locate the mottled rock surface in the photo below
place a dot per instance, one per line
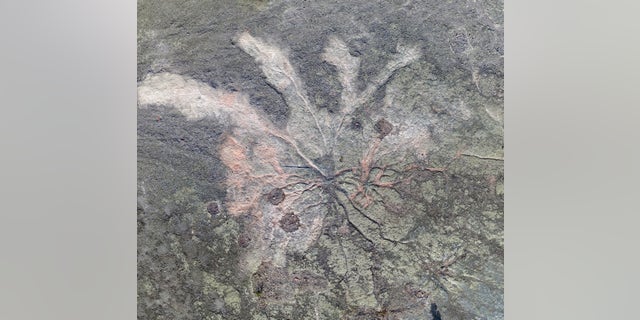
(320, 160)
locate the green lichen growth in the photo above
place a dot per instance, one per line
(230, 295)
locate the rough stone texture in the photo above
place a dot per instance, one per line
(320, 160)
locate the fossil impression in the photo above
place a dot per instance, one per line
(285, 181)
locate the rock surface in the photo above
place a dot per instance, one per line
(320, 160)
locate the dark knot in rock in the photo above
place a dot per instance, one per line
(290, 222)
(213, 208)
(383, 127)
(275, 196)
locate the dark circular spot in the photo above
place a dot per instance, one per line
(383, 127)
(355, 124)
(290, 222)
(213, 208)
(275, 196)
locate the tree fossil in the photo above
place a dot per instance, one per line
(285, 181)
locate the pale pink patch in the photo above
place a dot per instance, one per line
(233, 155)
(270, 155)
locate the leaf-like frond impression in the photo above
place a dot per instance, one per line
(337, 54)
(403, 58)
(307, 124)
(197, 100)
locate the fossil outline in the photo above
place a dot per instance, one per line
(255, 164)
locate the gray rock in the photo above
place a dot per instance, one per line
(320, 160)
